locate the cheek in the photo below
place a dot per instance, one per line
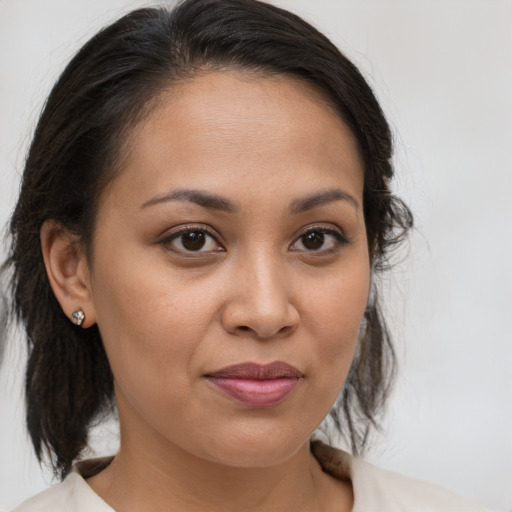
(150, 321)
(334, 319)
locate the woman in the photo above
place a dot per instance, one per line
(203, 207)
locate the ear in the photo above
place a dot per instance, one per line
(68, 270)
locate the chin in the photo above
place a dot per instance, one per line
(255, 451)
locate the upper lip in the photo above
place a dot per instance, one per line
(255, 371)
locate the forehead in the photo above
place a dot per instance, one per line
(223, 129)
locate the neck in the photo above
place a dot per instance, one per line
(177, 481)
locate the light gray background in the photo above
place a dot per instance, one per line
(442, 70)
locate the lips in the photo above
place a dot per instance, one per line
(257, 385)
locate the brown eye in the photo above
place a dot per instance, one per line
(321, 240)
(313, 240)
(192, 240)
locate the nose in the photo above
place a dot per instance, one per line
(259, 303)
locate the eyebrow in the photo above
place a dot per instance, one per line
(318, 199)
(199, 197)
(216, 202)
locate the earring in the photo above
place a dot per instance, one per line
(78, 317)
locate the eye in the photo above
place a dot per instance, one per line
(320, 240)
(192, 240)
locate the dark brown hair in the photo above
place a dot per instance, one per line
(111, 84)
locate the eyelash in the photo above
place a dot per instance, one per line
(339, 238)
(190, 229)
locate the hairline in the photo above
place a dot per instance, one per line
(184, 75)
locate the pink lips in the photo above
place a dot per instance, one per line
(257, 385)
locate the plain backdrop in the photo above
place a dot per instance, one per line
(442, 70)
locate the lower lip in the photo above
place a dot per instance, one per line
(256, 393)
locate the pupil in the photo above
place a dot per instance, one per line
(193, 241)
(314, 240)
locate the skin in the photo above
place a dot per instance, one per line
(255, 292)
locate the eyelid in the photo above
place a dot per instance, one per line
(173, 235)
(337, 233)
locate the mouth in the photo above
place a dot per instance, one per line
(256, 385)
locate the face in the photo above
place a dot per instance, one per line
(230, 269)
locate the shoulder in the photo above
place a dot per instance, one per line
(386, 491)
(71, 495)
(377, 485)
(58, 497)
